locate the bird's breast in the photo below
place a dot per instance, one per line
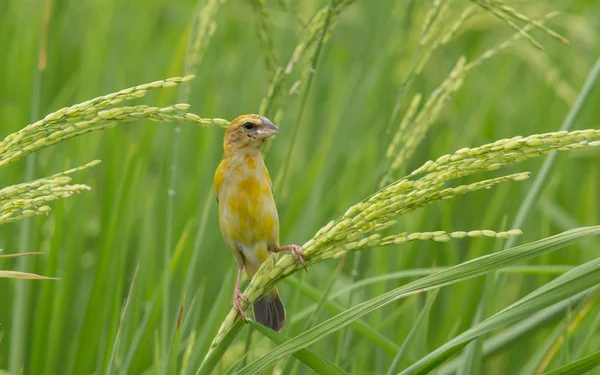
(247, 213)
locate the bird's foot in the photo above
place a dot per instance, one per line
(238, 297)
(297, 253)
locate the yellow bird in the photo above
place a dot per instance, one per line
(247, 212)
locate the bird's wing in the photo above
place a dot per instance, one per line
(218, 180)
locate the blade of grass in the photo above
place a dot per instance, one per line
(115, 348)
(593, 329)
(512, 334)
(313, 293)
(365, 329)
(577, 280)
(574, 320)
(532, 366)
(203, 338)
(472, 357)
(319, 308)
(98, 301)
(308, 357)
(23, 276)
(345, 336)
(578, 367)
(402, 352)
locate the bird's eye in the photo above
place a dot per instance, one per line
(249, 125)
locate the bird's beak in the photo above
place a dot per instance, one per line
(267, 130)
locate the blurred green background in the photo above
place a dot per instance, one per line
(93, 242)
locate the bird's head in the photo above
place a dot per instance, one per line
(249, 132)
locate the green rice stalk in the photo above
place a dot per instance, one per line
(204, 27)
(446, 36)
(286, 6)
(430, 20)
(508, 14)
(309, 37)
(93, 115)
(488, 6)
(412, 132)
(543, 66)
(504, 45)
(312, 71)
(29, 140)
(264, 31)
(499, 4)
(203, 30)
(28, 199)
(89, 108)
(413, 127)
(406, 120)
(436, 12)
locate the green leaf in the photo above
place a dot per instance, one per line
(23, 275)
(544, 351)
(215, 354)
(574, 281)
(424, 313)
(365, 329)
(521, 329)
(308, 357)
(580, 366)
(19, 274)
(463, 271)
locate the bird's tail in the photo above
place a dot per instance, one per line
(269, 311)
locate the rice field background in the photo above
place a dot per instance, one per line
(144, 280)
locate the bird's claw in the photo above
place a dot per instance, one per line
(238, 297)
(298, 255)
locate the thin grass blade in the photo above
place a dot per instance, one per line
(578, 367)
(308, 357)
(574, 281)
(424, 312)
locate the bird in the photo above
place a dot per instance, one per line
(248, 216)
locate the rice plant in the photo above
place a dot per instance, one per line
(481, 260)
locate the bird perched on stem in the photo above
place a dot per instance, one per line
(247, 212)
